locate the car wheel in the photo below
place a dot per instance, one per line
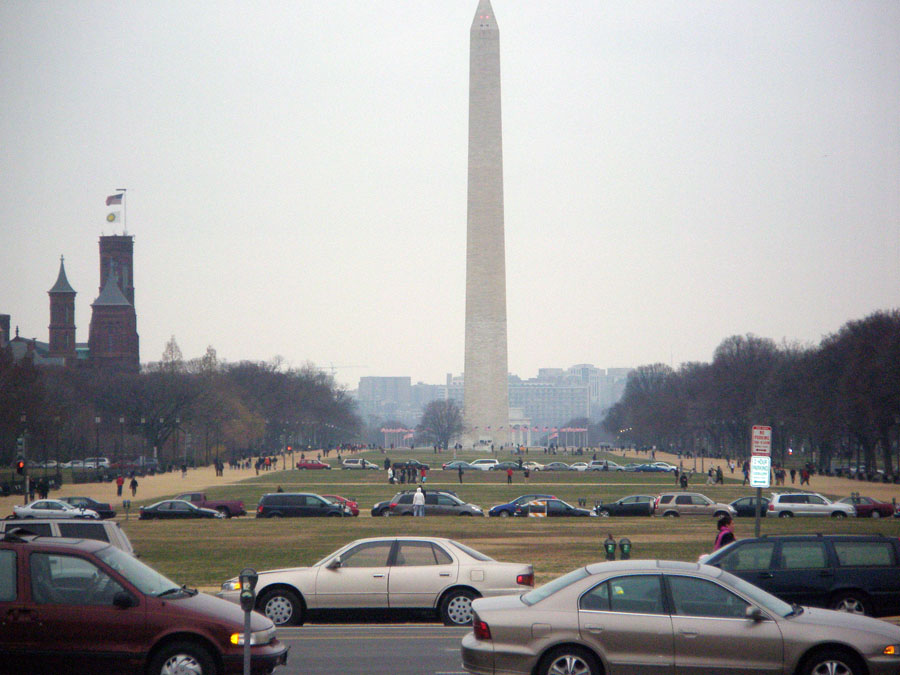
(456, 608)
(876, 514)
(851, 601)
(504, 514)
(785, 514)
(464, 513)
(604, 513)
(275, 515)
(335, 514)
(282, 606)
(568, 661)
(224, 511)
(832, 662)
(671, 514)
(838, 514)
(182, 657)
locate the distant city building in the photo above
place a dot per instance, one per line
(553, 398)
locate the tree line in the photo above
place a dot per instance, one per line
(835, 403)
(193, 411)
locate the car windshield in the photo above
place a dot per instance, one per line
(145, 578)
(552, 587)
(758, 595)
(471, 552)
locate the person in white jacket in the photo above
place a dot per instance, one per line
(419, 502)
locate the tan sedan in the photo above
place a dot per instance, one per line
(387, 573)
(648, 617)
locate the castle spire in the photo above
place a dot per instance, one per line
(62, 283)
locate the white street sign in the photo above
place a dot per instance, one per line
(761, 441)
(759, 471)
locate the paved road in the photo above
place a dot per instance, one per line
(357, 649)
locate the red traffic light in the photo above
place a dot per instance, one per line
(290, 448)
(20, 466)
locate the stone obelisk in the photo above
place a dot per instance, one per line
(486, 405)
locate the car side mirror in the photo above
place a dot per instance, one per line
(124, 600)
(754, 613)
(335, 563)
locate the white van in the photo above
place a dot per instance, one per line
(483, 464)
(72, 528)
(96, 463)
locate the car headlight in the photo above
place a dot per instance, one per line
(232, 585)
(891, 650)
(260, 637)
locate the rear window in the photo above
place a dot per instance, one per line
(471, 552)
(552, 587)
(84, 531)
(41, 529)
(865, 553)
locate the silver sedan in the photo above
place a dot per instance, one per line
(387, 573)
(52, 508)
(653, 617)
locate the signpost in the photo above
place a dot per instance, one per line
(760, 463)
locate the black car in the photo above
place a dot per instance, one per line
(503, 466)
(854, 573)
(410, 463)
(299, 505)
(384, 508)
(746, 507)
(633, 505)
(176, 508)
(103, 510)
(553, 508)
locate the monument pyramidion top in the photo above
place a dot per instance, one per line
(484, 17)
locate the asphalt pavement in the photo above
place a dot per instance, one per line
(365, 649)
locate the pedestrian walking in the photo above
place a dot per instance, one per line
(390, 474)
(460, 473)
(419, 502)
(725, 532)
(133, 485)
(120, 483)
(793, 475)
(527, 474)
(509, 476)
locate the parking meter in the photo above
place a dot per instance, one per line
(610, 547)
(248, 578)
(126, 504)
(625, 548)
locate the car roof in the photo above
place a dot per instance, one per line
(647, 566)
(53, 543)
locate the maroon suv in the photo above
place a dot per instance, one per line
(83, 606)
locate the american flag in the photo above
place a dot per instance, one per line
(114, 199)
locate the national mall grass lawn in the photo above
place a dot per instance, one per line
(203, 553)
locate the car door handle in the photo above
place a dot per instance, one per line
(444, 574)
(378, 576)
(766, 575)
(593, 628)
(689, 633)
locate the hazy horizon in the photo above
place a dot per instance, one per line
(674, 173)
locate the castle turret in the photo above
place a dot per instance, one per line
(62, 317)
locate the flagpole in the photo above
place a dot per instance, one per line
(124, 210)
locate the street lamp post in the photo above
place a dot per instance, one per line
(121, 451)
(96, 442)
(26, 487)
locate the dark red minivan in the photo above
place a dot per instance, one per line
(83, 606)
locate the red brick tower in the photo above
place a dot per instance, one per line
(113, 340)
(62, 317)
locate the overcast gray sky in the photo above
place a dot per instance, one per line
(675, 173)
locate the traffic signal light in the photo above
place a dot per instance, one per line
(20, 466)
(290, 448)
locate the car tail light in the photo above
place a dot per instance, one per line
(525, 579)
(259, 508)
(481, 629)
(393, 504)
(771, 507)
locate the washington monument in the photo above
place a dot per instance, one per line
(486, 405)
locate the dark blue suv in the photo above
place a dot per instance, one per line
(849, 572)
